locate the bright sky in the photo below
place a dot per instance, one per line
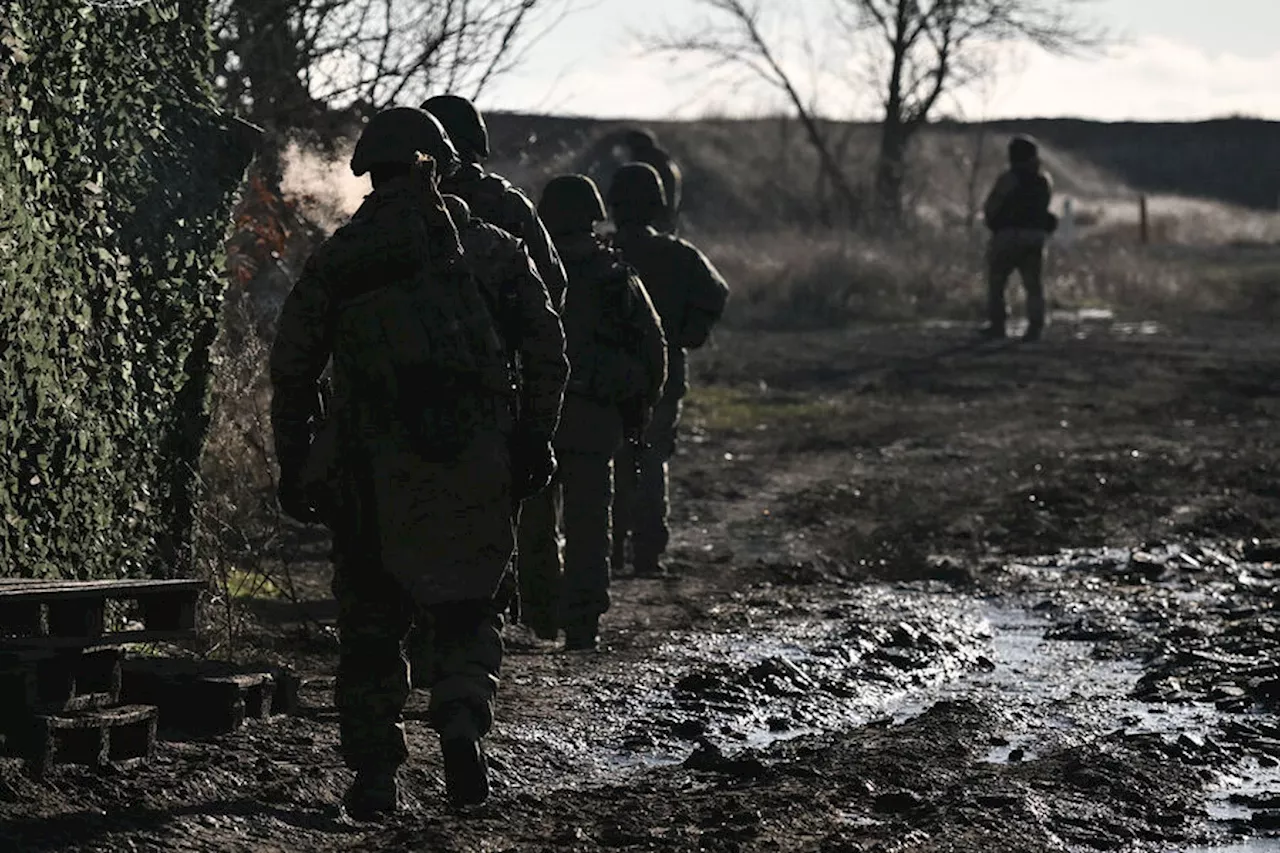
(1178, 59)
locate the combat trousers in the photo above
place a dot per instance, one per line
(538, 562)
(1022, 251)
(374, 616)
(640, 490)
(586, 483)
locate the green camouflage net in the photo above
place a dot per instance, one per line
(117, 174)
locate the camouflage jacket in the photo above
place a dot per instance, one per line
(1019, 200)
(494, 200)
(529, 325)
(687, 290)
(613, 336)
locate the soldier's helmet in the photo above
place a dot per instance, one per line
(464, 123)
(1023, 149)
(636, 193)
(570, 203)
(639, 139)
(396, 135)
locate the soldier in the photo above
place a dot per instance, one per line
(690, 296)
(643, 148)
(490, 196)
(617, 363)
(1017, 214)
(416, 466)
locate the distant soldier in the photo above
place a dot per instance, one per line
(617, 364)
(690, 296)
(642, 146)
(1017, 214)
(490, 196)
(413, 469)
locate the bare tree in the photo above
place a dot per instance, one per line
(283, 60)
(740, 41)
(927, 48)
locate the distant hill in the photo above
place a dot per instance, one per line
(757, 173)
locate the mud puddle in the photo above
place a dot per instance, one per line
(776, 667)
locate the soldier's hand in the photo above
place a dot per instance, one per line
(533, 464)
(295, 503)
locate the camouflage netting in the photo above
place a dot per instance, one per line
(117, 173)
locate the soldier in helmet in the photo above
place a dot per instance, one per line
(490, 196)
(690, 296)
(1017, 214)
(412, 468)
(617, 361)
(642, 146)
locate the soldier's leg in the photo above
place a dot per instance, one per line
(587, 484)
(372, 682)
(999, 268)
(467, 638)
(539, 562)
(624, 494)
(1031, 271)
(649, 513)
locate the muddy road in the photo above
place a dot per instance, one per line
(933, 595)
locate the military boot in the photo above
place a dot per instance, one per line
(374, 794)
(466, 773)
(582, 635)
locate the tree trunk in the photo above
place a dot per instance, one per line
(895, 137)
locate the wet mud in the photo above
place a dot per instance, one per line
(931, 595)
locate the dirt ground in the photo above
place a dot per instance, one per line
(933, 595)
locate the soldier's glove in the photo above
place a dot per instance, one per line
(533, 463)
(290, 491)
(295, 503)
(635, 416)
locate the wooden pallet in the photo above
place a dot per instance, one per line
(207, 697)
(52, 614)
(44, 681)
(120, 737)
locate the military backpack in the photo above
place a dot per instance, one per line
(416, 347)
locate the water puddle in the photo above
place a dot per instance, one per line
(880, 654)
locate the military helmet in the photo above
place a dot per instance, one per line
(1023, 149)
(570, 203)
(639, 139)
(396, 135)
(636, 191)
(463, 122)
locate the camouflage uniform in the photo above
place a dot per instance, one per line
(617, 359)
(504, 269)
(1017, 213)
(490, 196)
(421, 521)
(690, 296)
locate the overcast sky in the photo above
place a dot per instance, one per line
(1178, 59)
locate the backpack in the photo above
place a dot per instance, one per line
(416, 348)
(601, 304)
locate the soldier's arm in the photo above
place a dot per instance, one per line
(708, 293)
(653, 343)
(303, 344)
(539, 246)
(996, 198)
(544, 367)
